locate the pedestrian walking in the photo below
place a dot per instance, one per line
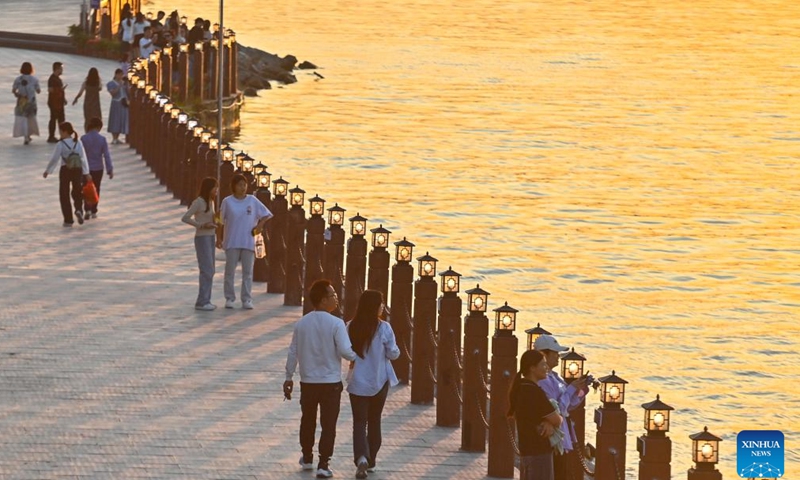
(25, 88)
(201, 216)
(536, 417)
(91, 104)
(319, 342)
(118, 113)
(96, 147)
(56, 101)
(70, 155)
(370, 376)
(242, 216)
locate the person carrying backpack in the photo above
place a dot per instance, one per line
(74, 167)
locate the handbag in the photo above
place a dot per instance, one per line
(124, 102)
(90, 195)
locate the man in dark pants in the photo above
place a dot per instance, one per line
(319, 343)
(56, 100)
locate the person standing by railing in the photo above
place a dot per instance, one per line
(536, 417)
(241, 214)
(568, 398)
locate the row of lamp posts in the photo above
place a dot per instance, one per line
(181, 152)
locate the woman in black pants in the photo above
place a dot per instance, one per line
(370, 378)
(70, 173)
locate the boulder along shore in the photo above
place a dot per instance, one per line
(257, 68)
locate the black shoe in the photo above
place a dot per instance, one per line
(52, 140)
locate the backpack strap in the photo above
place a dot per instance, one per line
(71, 149)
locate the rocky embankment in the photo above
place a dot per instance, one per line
(257, 68)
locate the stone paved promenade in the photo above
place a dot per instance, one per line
(107, 371)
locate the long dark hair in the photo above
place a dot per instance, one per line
(206, 187)
(67, 127)
(93, 78)
(365, 323)
(526, 361)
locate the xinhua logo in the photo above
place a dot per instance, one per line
(759, 454)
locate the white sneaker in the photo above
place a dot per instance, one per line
(228, 303)
(324, 471)
(248, 305)
(361, 469)
(306, 466)
(207, 307)
(79, 215)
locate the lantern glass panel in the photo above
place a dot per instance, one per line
(213, 143)
(263, 179)
(198, 131)
(198, 46)
(280, 189)
(613, 393)
(427, 268)
(336, 217)
(297, 199)
(380, 239)
(358, 227)
(505, 321)
(404, 253)
(477, 302)
(317, 207)
(572, 369)
(247, 165)
(174, 112)
(450, 284)
(706, 451)
(656, 420)
(206, 137)
(227, 154)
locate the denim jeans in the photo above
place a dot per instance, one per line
(328, 397)
(367, 413)
(204, 247)
(232, 257)
(70, 178)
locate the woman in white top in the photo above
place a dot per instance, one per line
(243, 216)
(69, 177)
(126, 25)
(371, 376)
(201, 216)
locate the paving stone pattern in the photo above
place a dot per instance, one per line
(107, 371)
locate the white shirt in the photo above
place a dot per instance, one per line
(127, 30)
(319, 343)
(239, 218)
(138, 27)
(64, 148)
(145, 51)
(201, 217)
(372, 372)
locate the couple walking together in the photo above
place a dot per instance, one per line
(319, 342)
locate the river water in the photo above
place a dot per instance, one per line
(622, 172)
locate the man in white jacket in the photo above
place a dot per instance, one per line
(319, 343)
